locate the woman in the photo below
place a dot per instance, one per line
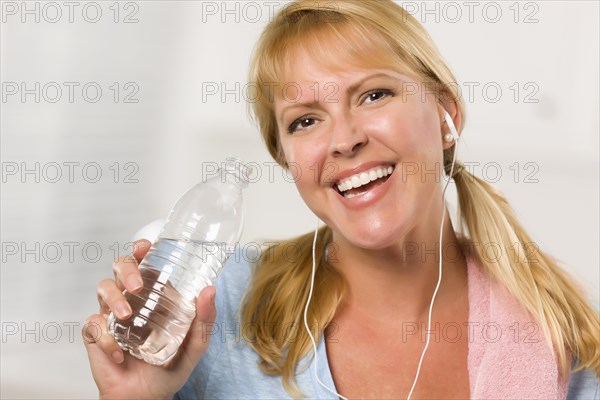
(355, 96)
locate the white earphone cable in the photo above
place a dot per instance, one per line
(312, 339)
(455, 136)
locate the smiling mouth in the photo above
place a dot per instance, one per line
(361, 183)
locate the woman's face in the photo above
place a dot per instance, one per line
(348, 130)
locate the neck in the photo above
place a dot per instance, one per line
(399, 282)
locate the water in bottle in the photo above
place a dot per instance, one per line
(187, 256)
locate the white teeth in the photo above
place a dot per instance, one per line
(351, 195)
(363, 178)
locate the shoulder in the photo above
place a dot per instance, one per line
(231, 285)
(229, 367)
(583, 384)
(235, 278)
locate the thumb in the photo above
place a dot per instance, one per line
(202, 326)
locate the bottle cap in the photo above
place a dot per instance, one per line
(237, 167)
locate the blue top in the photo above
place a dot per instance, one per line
(229, 369)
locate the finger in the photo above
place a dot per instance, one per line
(111, 298)
(198, 337)
(96, 336)
(127, 275)
(140, 248)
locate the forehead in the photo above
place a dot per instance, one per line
(311, 81)
(335, 49)
(307, 70)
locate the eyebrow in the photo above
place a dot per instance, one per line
(351, 89)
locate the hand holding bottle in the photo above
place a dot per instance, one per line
(200, 231)
(117, 373)
(157, 311)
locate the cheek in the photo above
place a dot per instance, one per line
(305, 156)
(408, 126)
(415, 131)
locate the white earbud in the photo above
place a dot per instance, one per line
(453, 135)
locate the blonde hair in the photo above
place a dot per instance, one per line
(272, 310)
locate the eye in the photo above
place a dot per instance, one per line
(301, 123)
(376, 95)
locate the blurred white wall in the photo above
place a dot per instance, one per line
(154, 128)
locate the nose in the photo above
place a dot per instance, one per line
(347, 137)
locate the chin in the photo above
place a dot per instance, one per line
(371, 236)
(372, 243)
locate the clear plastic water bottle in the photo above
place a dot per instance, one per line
(187, 256)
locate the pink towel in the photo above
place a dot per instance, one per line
(508, 354)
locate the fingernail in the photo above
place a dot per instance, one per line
(139, 243)
(123, 309)
(118, 356)
(133, 283)
(91, 332)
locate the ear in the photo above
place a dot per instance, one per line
(447, 104)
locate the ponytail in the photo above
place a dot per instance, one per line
(567, 319)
